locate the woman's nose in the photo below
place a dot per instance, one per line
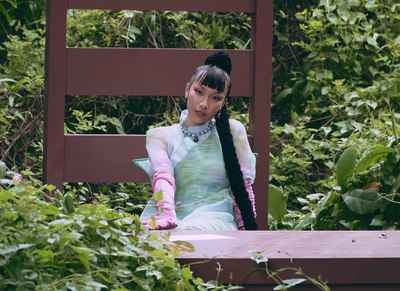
(204, 103)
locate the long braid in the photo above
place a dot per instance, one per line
(233, 170)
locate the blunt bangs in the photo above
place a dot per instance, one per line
(212, 77)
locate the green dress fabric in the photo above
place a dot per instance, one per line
(203, 196)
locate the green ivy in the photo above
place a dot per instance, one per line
(59, 243)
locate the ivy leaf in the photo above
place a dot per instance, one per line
(158, 196)
(61, 223)
(378, 220)
(124, 273)
(97, 285)
(83, 250)
(289, 283)
(187, 273)
(5, 195)
(154, 273)
(104, 233)
(12, 248)
(153, 222)
(282, 95)
(44, 256)
(332, 17)
(184, 246)
(258, 257)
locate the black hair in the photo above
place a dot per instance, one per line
(216, 74)
(213, 77)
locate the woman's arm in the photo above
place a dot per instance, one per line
(247, 163)
(161, 173)
(246, 157)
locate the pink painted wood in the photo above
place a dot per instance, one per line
(347, 260)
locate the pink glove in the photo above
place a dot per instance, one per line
(166, 216)
(238, 215)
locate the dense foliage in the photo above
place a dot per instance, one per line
(335, 86)
(335, 153)
(339, 90)
(58, 244)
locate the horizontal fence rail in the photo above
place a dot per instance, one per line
(105, 157)
(131, 71)
(246, 6)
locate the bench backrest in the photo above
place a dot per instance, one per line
(130, 71)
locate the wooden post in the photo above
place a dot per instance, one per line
(55, 70)
(261, 104)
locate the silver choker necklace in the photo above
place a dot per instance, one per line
(196, 136)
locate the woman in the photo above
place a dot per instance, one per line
(199, 163)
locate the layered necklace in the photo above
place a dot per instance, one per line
(196, 136)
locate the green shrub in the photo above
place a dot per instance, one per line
(60, 243)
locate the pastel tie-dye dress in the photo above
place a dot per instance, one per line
(203, 196)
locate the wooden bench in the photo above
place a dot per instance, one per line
(348, 260)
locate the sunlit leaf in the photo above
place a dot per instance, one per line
(288, 283)
(276, 203)
(13, 248)
(345, 166)
(373, 157)
(158, 196)
(61, 222)
(185, 246)
(258, 256)
(5, 195)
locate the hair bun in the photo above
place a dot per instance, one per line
(221, 60)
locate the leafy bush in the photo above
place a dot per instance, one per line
(339, 93)
(350, 66)
(20, 124)
(21, 100)
(335, 85)
(60, 244)
(18, 14)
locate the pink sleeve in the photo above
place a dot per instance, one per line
(246, 157)
(157, 148)
(238, 215)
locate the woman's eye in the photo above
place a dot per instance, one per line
(216, 98)
(199, 92)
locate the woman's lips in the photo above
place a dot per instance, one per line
(200, 114)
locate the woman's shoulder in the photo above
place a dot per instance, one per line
(237, 129)
(163, 131)
(235, 125)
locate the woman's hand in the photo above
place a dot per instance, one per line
(166, 218)
(164, 194)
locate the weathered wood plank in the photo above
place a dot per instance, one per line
(145, 72)
(105, 157)
(247, 6)
(347, 260)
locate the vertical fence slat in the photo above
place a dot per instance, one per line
(55, 67)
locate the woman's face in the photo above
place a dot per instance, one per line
(202, 103)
